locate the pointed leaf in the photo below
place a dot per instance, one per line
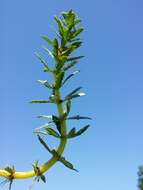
(77, 95)
(81, 131)
(40, 132)
(71, 133)
(44, 144)
(43, 178)
(49, 52)
(70, 76)
(52, 132)
(43, 61)
(47, 39)
(77, 117)
(77, 32)
(60, 26)
(55, 43)
(77, 21)
(68, 66)
(45, 83)
(56, 120)
(67, 107)
(73, 92)
(67, 164)
(45, 116)
(74, 58)
(40, 101)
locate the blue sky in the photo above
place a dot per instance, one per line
(109, 154)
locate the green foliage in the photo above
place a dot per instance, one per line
(61, 49)
(39, 176)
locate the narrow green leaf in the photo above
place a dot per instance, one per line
(76, 44)
(68, 66)
(52, 132)
(37, 130)
(43, 178)
(35, 167)
(81, 131)
(40, 101)
(71, 133)
(77, 21)
(70, 76)
(78, 117)
(56, 120)
(9, 169)
(45, 116)
(76, 95)
(60, 26)
(67, 107)
(40, 133)
(10, 184)
(47, 39)
(43, 61)
(67, 164)
(44, 144)
(74, 58)
(45, 83)
(55, 43)
(77, 32)
(35, 164)
(72, 93)
(49, 52)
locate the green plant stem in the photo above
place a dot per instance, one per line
(53, 160)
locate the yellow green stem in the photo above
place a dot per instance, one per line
(47, 165)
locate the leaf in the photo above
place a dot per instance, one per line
(81, 131)
(47, 39)
(55, 43)
(76, 44)
(67, 164)
(10, 184)
(44, 126)
(52, 132)
(43, 62)
(44, 144)
(68, 66)
(77, 32)
(35, 167)
(56, 120)
(71, 133)
(45, 116)
(77, 21)
(67, 107)
(43, 178)
(40, 101)
(9, 169)
(40, 133)
(77, 117)
(75, 58)
(70, 76)
(77, 95)
(55, 48)
(49, 52)
(71, 94)
(45, 83)
(35, 164)
(60, 26)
